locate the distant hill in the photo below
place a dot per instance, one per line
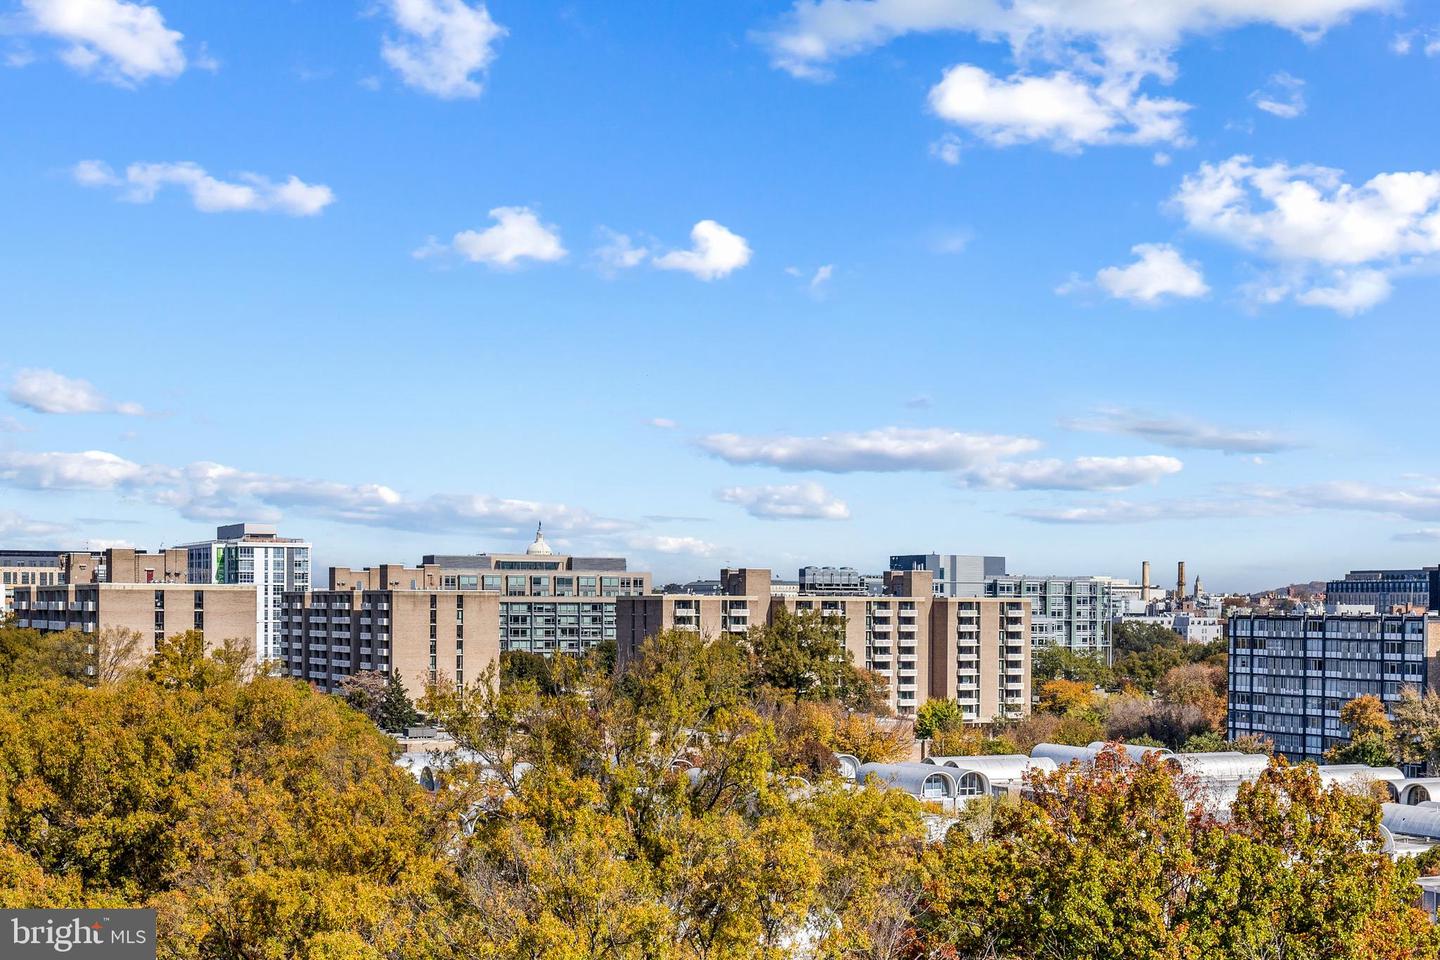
(1314, 587)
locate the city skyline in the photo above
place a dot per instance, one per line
(767, 285)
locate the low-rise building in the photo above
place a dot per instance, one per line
(1379, 591)
(153, 610)
(27, 568)
(1193, 627)
(974, 650)
(1290, 675)
(839, 581)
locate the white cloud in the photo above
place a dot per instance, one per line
(1082, 473)
(1352, 292)
(793, 501)
(1064, 110)
(1283, 96)
(15, 527)
(715, 252)
(1153, 511)
(1180, 433)
(889, 449)
(1427, 535)
(1159, 272)
(443, 46)
(205, 490)
(123, 43)
(1336, 243)
(518, 235)
(662, 423)
(815, 33)
(947, 150)
(84, 470)
(618, 252)
(107, 543)
(1419, 502)
(45, 391)
(1428, 38)
(1103, 52)
(250, 192)
(951, 240)
(692, 546)
(821, 277)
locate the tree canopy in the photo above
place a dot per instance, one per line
(679, 811)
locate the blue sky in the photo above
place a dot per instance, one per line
(1084, 283)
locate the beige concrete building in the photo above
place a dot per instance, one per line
(124, 565)
(974, 650)
(154, 610)
(46, 568)
(420, 635)
(452, 615)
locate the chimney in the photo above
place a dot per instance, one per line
(1145, 580)
(1180, 584)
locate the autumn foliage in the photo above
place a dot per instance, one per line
(680, 811)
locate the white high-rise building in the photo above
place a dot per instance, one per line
(254, 553)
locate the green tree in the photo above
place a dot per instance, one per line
(1417, 728)
(1144, 652)
(1207, 742)
(1372, 740)
(938, 716)
(521, 665)
(259, 818)
(1063, 663)
(396, 712)
(1116, 861)
(803, 656)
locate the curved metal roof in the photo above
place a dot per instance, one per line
(1134, 753)
(1356, 772)
(911, 777)
(1410, 821)
(1412, 786)
(1061, 753)
(1222, 765)
(997, 767)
